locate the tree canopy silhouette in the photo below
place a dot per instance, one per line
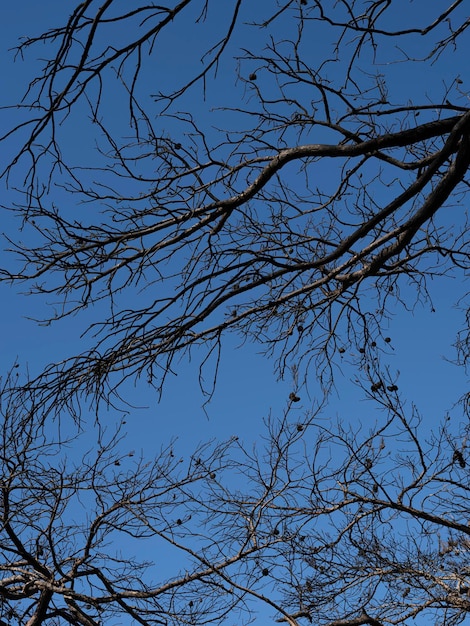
(287, 171)
(322, 522)
(329, 176)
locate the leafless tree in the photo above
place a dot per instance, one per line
(318, 523)
(297, 216)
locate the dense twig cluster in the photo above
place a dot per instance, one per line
(297, 215)
(296, 224)
(335, 524)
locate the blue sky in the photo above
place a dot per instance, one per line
(421, 339)
(248, 386)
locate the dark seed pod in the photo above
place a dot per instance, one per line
(458, 458)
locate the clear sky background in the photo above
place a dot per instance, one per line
(248, 387)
